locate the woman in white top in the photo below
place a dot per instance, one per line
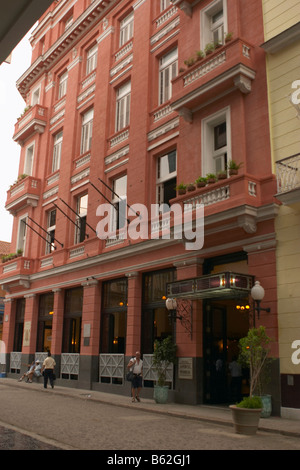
(136, 366)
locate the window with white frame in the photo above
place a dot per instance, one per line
(214, 22)
(21, 235)
(58, 138)
(216, 142)
(35, 98)
(87, 131)
(168, 65)
(28, 164)
(119, 202)
(62, 86)
(126, 29)
(123, 106)
(81, 210)
(166, 178)
(164, 4)
(51, 226)
(91, 59)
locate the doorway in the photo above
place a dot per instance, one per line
(223, 328)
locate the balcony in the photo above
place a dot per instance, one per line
(26, 192)
(244, 200)
(228, 68)
(16, 272)
(288, 179)
(33, 121)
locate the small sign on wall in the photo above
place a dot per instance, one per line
(185, 368)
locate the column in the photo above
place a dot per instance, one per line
(8, 334)
(189, 387)
(30, 324)
(134, 317)
(57, 322)
(90, 334)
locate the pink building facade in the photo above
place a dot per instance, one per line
(121, 109)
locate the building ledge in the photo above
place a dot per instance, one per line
(282, 40)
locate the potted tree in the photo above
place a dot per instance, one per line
(254, 351)
(164, 354)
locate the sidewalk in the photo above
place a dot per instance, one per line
(211, 414)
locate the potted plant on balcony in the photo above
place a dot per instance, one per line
(201, 182)
(189, 62)
(209, 48)
(190, 187)
(222, 175)
(228, 37)
(254, 351)
(181, 188)
(164, 354)
(211, 178)
(200, 55)
(234, 167)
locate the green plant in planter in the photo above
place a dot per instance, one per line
(250, 403)
(189, 62)
(201, 181)
(222, 175)
(209, 48)
(181, 188)
(200, 55)
(164, 354)
(211, 178)
(190, 187)
(228, 37)
(234, 167)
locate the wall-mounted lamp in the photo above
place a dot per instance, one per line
(171, 305)
(257, 294)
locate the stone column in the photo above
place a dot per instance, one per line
(134, 317)
(90, 334)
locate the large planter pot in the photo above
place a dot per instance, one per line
(245, 420)
(267, 406)
(161, 394)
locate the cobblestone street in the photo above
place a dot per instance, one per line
(57, 419)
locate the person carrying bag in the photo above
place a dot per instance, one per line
(135, 376)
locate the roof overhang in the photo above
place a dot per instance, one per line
(17, 17)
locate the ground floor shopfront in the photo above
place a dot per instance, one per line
(93, 324)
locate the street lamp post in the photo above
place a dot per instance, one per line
(257, 294)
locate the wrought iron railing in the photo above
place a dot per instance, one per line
(288, 173)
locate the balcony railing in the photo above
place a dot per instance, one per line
(288, 179)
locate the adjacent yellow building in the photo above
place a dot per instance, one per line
(282, 46)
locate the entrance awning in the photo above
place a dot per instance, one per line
(227, 285)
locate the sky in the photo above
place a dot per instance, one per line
(11, 106)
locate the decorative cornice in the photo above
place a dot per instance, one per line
(65, 43)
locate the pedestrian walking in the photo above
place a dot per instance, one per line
(48, 370)
(136, 366)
